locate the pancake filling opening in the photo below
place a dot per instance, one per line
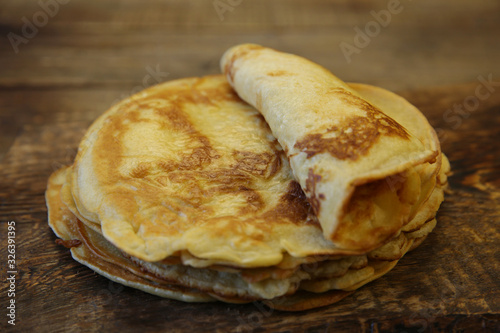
(377, 210)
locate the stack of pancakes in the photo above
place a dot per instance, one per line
(275, 182)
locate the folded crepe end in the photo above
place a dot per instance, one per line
(376, 211)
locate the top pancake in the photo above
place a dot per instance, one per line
(188, 166)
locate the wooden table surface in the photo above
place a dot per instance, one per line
(63, 63)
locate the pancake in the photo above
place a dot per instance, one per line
(107, 261)
(183, 192)
(173, 168)
(355, 159)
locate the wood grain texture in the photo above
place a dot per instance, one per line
(90, 54)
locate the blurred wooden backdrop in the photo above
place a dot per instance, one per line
(109, 45)
(64, 62)
(110, 42)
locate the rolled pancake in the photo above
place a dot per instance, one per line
(354, 161)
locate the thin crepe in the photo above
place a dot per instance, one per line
(364, 172)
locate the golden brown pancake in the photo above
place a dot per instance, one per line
(101, 256)
(182, 191)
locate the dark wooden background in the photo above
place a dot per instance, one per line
(85, 55)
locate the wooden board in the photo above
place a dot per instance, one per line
(93, 53)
